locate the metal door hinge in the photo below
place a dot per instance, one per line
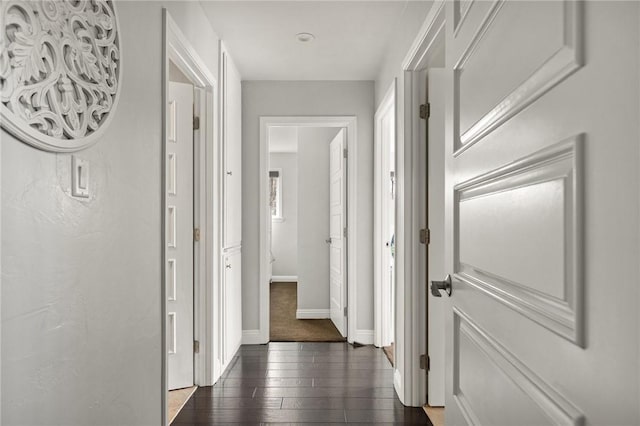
(345, 152)
(345, 311)
(425, 362)
(344, 232)
(425, 111)
(425, 236)
(196, 123)
(196, 347)
(196, 234)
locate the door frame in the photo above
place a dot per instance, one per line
(388, 104)
(410, 381)
(177, 49)
(261, 335)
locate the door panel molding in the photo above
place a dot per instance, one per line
(551, 71)
(536, 394)
(461, 11)
(557, 308)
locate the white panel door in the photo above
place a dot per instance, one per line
(232, 304)
(179, 235)
(541, 213)
(232, 137)
(387, 219)
(337, 222)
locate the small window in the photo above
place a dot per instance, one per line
(275, 194)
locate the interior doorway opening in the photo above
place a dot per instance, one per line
(306, 238)
(180, 244)
(384, 220)
(189, 214)
(307, 187)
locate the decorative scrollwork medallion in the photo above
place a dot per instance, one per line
(60, 68)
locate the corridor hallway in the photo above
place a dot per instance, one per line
(292, 382)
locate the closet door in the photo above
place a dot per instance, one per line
(232, 148)
(232, 303)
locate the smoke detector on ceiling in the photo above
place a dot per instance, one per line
(305, 37)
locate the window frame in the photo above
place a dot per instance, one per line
(279, 217)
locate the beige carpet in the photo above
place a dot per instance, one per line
(389, 351)
(176, 400)
(284, 325)
(435, 414)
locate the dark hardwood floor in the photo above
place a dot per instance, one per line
(297, 383)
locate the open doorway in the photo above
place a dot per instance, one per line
(189, 209)
(384, 220)
(420, 211)
(307, 182)
(322, 270)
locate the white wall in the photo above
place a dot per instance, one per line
(175, 74)
(81, 318)
(291, 98)
(313, 217)
(284, 234)
(391, 67)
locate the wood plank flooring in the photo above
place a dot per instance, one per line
(298, 383)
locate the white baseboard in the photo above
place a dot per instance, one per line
(313, 313)
(251, 337)
(364, 337)
(397, 384)
(284, 279)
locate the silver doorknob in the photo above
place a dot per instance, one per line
(328, 240)
(445, 285)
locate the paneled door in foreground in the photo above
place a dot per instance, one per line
(542, 212)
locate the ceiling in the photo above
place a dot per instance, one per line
(352, 37)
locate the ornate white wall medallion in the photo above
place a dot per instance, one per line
(60, 68)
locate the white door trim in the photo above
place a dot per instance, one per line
(179, 50)
(388, 103)
(350, 123)
(284, 278)
(409, 380)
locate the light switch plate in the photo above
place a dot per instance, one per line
(79, 177)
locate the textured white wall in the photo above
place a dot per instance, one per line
(284, 235)
(81, 320)
(313, 217)
(391, 67)
(290, 98)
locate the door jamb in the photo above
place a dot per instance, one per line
(410, 380)
(177, 49)
(261, 335)
(388, 103)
